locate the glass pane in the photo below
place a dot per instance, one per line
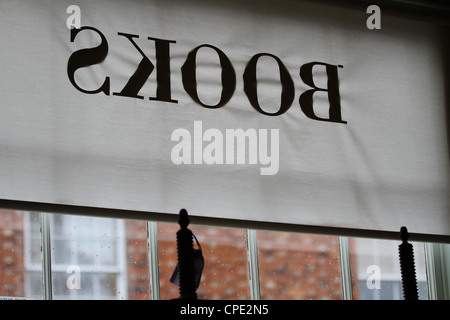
(96, 258)
(88, 258)
(84, 240)
(299, 266)
(20, 260)
(138, 270)
(376, 269)
(225, 275)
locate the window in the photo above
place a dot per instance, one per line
(105, 258)
(86, 255)
(376, 265)
(225, 275)
(299, 266)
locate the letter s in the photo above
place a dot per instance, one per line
(87, 57)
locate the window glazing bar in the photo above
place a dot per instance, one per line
(431, 271)
(46, 257)
(346, 273)
(253, 265)
(152, 240)
(438, 270)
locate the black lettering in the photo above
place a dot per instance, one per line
(140, 76)
(163, 90)
(306, 98)
(91, 56)
(189, 77)
(250, 85)
(87, 57)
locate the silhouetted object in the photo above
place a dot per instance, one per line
(407, 267)
(185, 251)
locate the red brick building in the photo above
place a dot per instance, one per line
(12, 268)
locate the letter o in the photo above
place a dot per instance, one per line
(250, 85)
(189, 77)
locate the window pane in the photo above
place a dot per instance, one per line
(97, 258)
(20, 261)
(225, 275)
(87, 258)
(376, 268)
(138, 271)
(299, 266)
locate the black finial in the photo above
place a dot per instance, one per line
(183, 219)
(404, 235)
(185, 252)
(407, 267)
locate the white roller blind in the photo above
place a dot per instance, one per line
(276, 111)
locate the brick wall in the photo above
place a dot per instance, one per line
(12, 270)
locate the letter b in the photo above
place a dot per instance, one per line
(306, 98)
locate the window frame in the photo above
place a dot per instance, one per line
(437, 253)
(48, 267)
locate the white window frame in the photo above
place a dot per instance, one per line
(47, 267)
(437, 260)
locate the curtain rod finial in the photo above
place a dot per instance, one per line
(404, 235)
(183, 220)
